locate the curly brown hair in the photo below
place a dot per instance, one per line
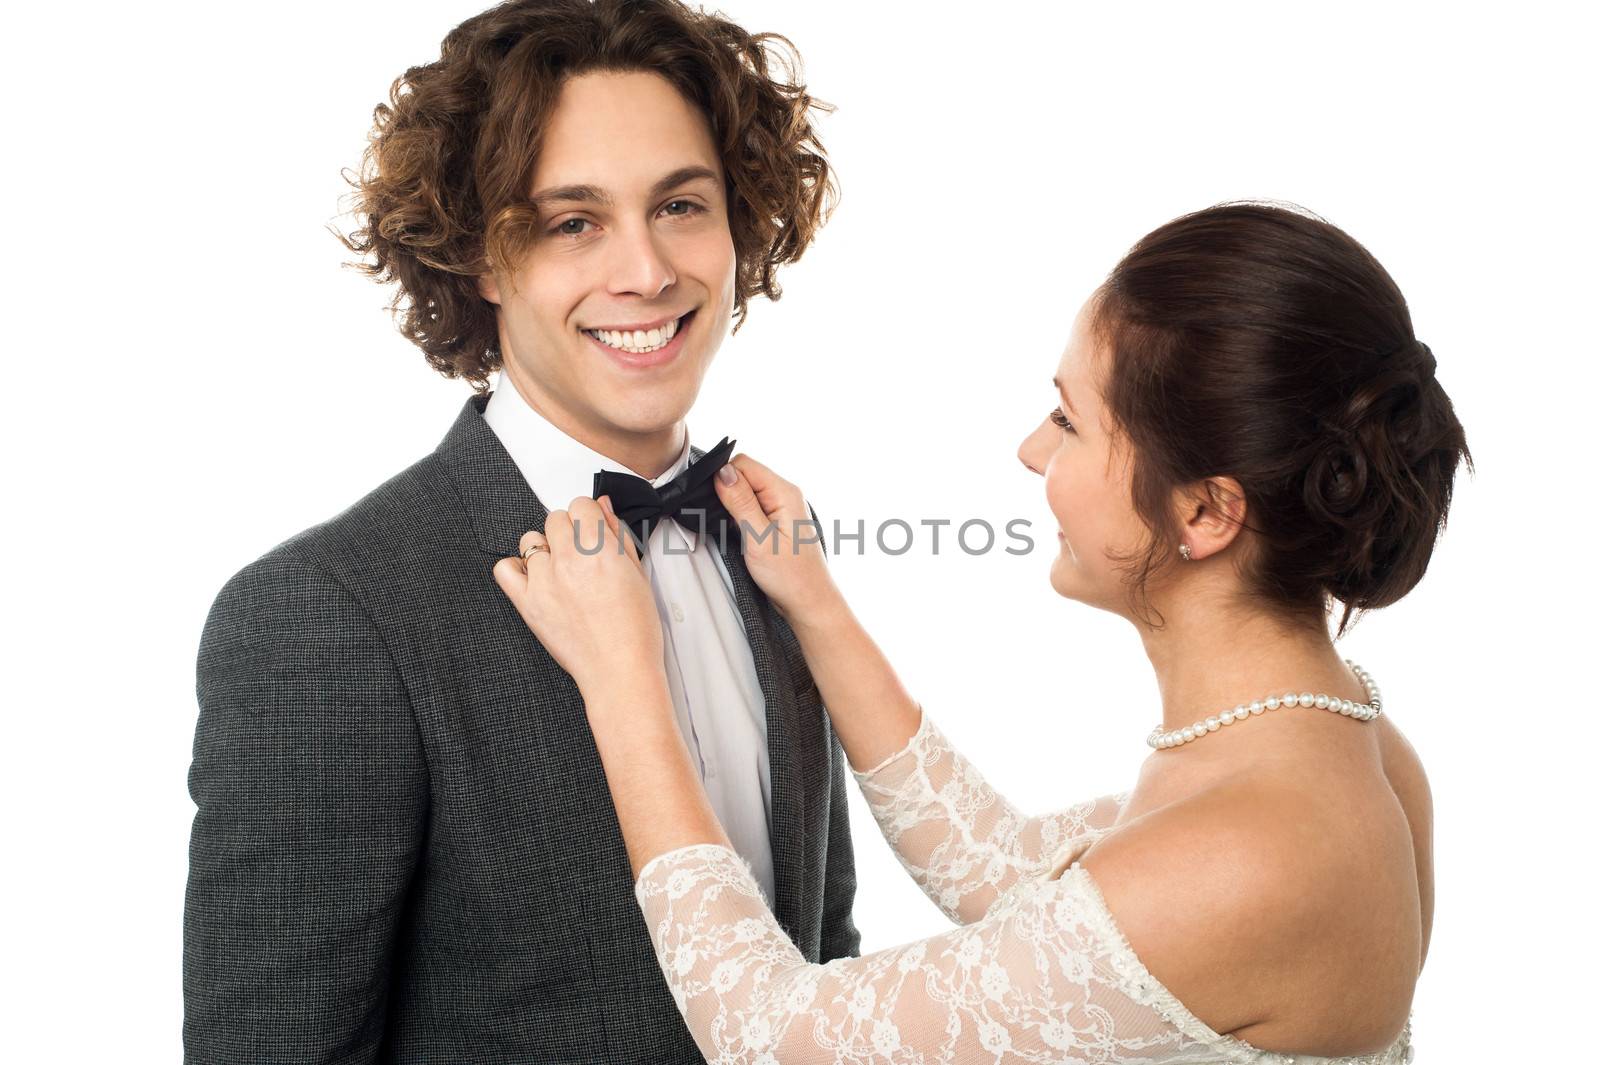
(443, 191)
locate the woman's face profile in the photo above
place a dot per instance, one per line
(1086, 477)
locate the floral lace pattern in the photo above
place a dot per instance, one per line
(1037, 970)
(960, 840)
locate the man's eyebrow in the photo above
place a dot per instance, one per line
(596, 195)
(1065, 398)
(682, 176)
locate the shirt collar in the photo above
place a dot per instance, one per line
(557, 467)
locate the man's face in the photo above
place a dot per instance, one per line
(609, 322)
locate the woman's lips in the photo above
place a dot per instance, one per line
(649, 359)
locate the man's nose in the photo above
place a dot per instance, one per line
(639, 268)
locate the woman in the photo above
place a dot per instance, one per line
(1245, 432)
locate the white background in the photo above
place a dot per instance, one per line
(200, 380)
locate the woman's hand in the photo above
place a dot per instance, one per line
(782, 547)
(592, 609)
(596, 615)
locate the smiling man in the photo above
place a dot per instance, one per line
(624, 293)
(404, 848)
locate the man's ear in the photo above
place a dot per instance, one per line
(1213, 513)
(489, 288)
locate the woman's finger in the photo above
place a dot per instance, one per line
(511, 574)
(771, 491)
(612, 521)
(532, 544)
(740, 499)
(588, 526)
(558, 533)
(623, 534)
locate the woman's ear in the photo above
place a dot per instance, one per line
(489, 288)
(1213, 514)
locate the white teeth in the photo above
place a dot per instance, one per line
(636, 341)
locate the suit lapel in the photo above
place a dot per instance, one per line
(497, 497)
(789, 843)
(502, 507)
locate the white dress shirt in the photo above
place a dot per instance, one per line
(715, 693)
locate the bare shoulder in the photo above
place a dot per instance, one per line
(1403, 766)
(1279, 914)
(1403, 769)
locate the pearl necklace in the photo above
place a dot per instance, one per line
(1359, 711)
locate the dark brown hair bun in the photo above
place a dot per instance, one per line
(1263, 343)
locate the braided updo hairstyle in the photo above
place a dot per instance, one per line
(1258, 342)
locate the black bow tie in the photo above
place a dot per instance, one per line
(690, 498)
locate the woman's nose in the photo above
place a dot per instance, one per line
(1029, 453)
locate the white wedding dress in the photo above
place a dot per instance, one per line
(1037, 970)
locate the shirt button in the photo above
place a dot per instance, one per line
(677, 612)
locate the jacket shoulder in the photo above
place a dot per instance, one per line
(390, 524)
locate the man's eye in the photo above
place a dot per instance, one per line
(572, 227)
(1060, 420)
(688, 207)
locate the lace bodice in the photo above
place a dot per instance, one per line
(1036, 970)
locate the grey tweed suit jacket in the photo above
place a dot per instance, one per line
(404, 848)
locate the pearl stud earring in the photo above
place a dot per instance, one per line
(1183, 549)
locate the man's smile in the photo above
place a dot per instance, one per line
(642, 344)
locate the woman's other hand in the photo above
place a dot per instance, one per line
(782, 543)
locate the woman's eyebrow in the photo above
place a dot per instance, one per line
(596, 195)
(1064, 397)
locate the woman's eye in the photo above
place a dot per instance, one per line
(572, 227)
(1060, 420)
(688, 207)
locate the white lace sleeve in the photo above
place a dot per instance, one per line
(960, 840)
(1046, 976)
(1029, 983)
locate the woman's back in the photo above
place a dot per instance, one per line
(1296, 863)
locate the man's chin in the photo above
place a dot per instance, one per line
(649, 418)
(646, 406)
